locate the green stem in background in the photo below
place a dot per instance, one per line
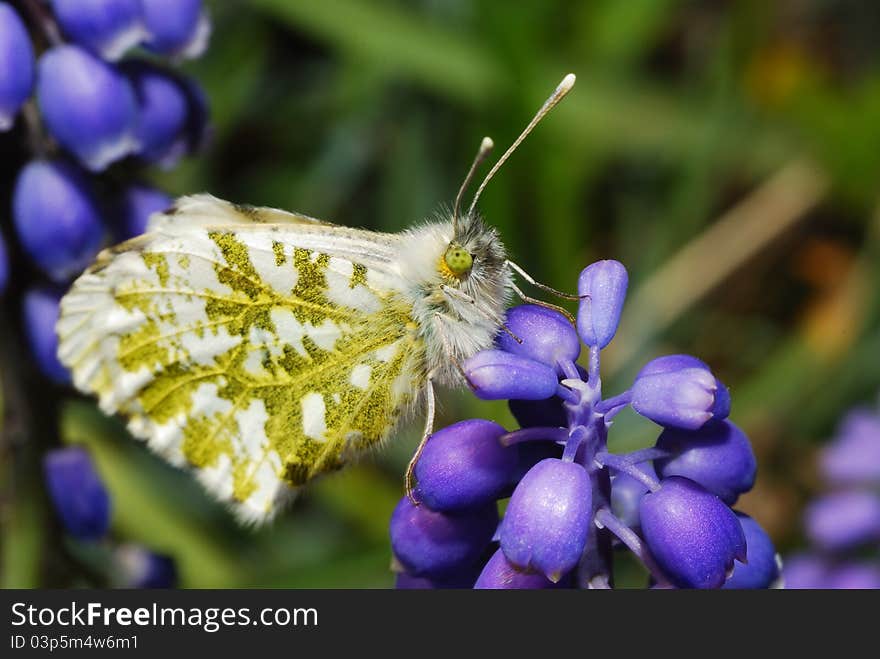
(709, 259)
(156, 520)
(411, 47)
(22, 508)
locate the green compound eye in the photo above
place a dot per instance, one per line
(458, 260)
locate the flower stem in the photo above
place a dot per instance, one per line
(36, 139)
(610, 406)
(569, 369)
(541, 433)
(577, 436)
(568, 395)
(606, 519)
(622, 464)
(645, 454)
(593, 370)
(44, 20)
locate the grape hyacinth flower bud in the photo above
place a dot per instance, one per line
(41, 307)
(853, 458)
(604, 286)
(138, 567)
(134, 208)
(16, 65)
(108, 28)
(546, 522)
(844, 525)
(56, 218)
(692, 534)
(843, 520)
(163, 109)
(678, 392)
(464, 465)
(804, 571)
(77, 493)
(176, 27)
(855, 576)
(546, 335)
(718, 456)
(88, 106)
(500, 573)
(808, 572)
(496, 374)
(762, 567)
(433, 544)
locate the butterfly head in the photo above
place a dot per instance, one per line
(473, 254)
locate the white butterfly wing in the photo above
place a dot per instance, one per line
(261, 348)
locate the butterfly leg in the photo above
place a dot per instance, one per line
(547, 305)
(426, 435)
(544, 287)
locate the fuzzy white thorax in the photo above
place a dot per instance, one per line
(456, 317)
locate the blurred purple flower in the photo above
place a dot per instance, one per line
(88, 106)
(16, 65)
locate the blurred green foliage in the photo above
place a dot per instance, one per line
(686, 116)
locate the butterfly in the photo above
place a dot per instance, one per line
(262, 348)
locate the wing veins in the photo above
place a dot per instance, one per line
(278, 299)
(203, 376)
(156, 339)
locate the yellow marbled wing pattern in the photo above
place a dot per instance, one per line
(259, 363)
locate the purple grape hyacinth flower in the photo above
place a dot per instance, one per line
(433, 544)
(572, 500)
(57, 218)
(547, 520)
(843, 525)
(604, 284)
(108, 28)
(163, 109)
(626, 496)
(718, 456)
(40, 313)
(176, 27)
(138, 567)
(16, 65)
(464, 465)
(134, 208)
(496, 374)
(77, 492)
(499, 573)
(682, 397)
(4, 265)
(88, 106)
(855, 576)
(843, 520)
(853, 458)
(762, 567)
(692, 534)
(546, 335)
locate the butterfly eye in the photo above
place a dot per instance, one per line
(458, 260)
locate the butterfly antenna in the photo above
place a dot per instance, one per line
(559, 93)
(486, 147)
